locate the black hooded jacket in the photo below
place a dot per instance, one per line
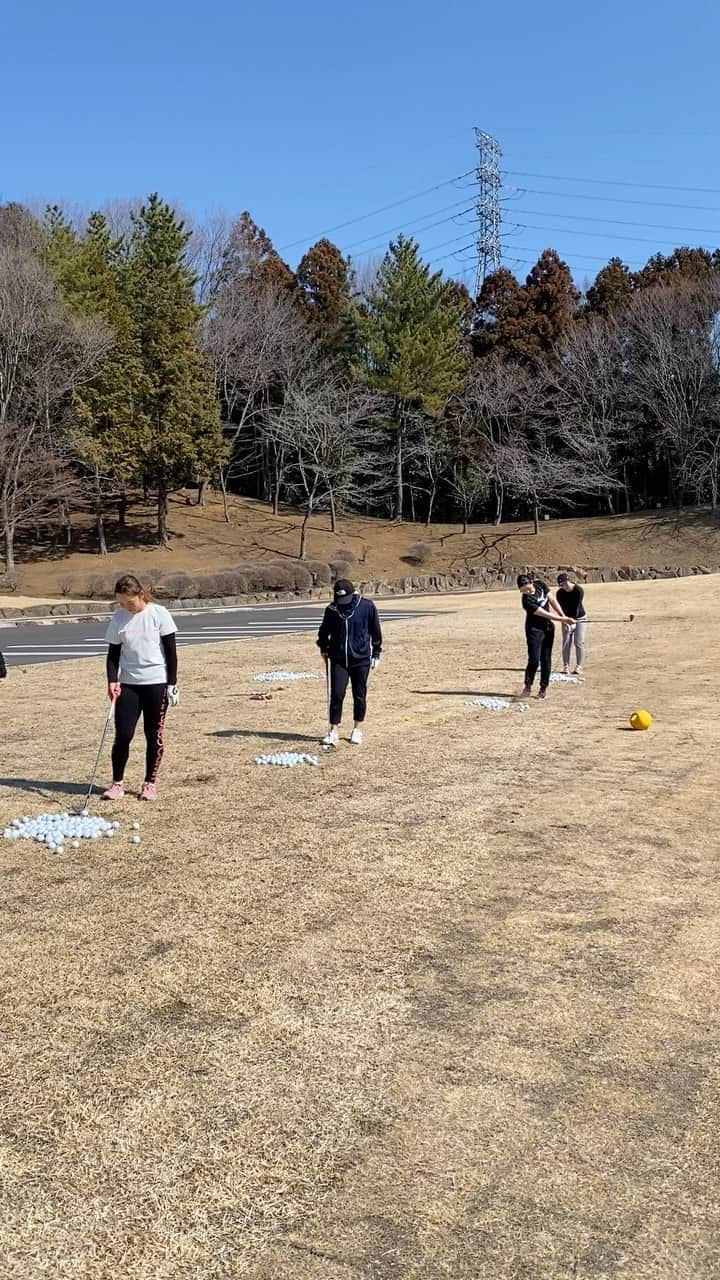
(350, 634)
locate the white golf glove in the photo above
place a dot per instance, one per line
(173, 695)
(374, 662)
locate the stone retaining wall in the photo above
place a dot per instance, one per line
(465, 580)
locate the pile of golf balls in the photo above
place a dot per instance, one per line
(495, 704)
(287, 758)
(53, 829)
(280, 677)
(557, 677)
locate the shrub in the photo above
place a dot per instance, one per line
(101, 586)
(419, 552)
(347, 555)
(339, 569)
(174, 586)
(320, 572)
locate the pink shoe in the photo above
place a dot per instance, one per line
(148, 791)
(115, 792)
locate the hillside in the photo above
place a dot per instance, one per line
(201, 540)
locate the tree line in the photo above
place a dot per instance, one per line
(142, 354)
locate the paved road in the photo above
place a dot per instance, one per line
(24, 645)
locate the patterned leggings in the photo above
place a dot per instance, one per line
(150, 701)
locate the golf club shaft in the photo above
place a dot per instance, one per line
(99, 754)
(608, 620)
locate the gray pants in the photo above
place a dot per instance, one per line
(577, 638)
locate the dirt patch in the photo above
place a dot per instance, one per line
(203, 541)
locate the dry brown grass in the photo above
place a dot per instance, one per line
(444, 1007)
(203, 541)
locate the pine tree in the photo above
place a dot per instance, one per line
(324, 278)
(412, 340)
(184, 440)
(109, 431)
(612, 289)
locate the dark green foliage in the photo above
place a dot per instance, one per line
(178, 397)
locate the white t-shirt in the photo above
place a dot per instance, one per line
(142, 660)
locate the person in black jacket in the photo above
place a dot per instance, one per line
(3, 668)
(350, 641)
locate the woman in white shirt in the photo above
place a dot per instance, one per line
(142, 680)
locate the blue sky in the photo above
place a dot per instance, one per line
(314, 114)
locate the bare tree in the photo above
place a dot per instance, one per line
(470, 485)
(260, 346)
(584, 396)
(206, 250)
(325, 427)
(493, 411)
(673, 380)
(537, 472)
(44, 354)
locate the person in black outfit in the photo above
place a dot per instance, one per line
(541, 614)
(3, 668)
(350, 641)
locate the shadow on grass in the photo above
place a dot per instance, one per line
(39, 786)
(259, 733)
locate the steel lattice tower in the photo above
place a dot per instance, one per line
(488, 206)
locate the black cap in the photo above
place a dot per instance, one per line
(562, 577)
(343, 591)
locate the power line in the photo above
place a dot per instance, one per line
(526, 248)
(374, 212)
(402, 226)
(646, 204)
(619, 222)
(610, 182)
(594, 235)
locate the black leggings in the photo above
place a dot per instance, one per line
(150, 701)
(358, 677)
(540, 647)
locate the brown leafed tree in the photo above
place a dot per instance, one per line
(249, 252)
(684, 265)
(501, 317)
(552, 304)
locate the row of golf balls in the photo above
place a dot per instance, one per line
(277, 677)
(287, 758)
(495, 704)
(52, 829)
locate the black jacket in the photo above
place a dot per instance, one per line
(3, 668)
(351, 634)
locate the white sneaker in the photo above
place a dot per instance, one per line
(356, 737)
(331, 739)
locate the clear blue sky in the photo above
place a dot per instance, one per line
(312, 114)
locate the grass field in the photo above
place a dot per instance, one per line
(203, 541)
(446, 1006)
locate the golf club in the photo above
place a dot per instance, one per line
(327, 696)
(86, 807)
(630, 618)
